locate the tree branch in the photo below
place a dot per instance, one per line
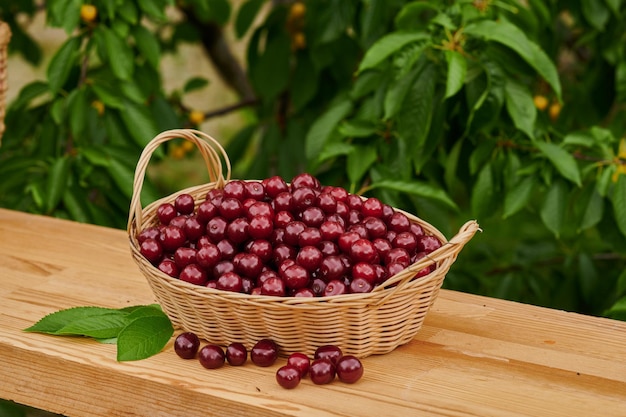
(218, 50)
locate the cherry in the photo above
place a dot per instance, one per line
(238, 230)
(331, 268)
(313, 216)
(169, 267)
(193, 228)
(283, 218)
(310, 236)
(335, 287)
(326, 202)
(186, 345)
(172, 238)
(152, 232)
(305, 180)
(282, 252)
(363, 250)
(223, 267)
(398, 255)
(339, 194)
(372, 207)
(399, 222)
(264, 275)
(346, 240)
(179, 221)
(354, 202)
(264, 353)
(354, 217)
(283, 202)
(322, 371)
(184, 256)
(274, 286)
(417, 230)
(293, 231)
(184, 203)
(303, 198)
(235, 189)
(211, 356)
(288, 376)
(261, 227)
(332, 352)
(361, 285)
(328, 248)
(215, 196)
(152, 250)
(261, 248)
(254, 190)
(227, 248)
(231, 208)
(406, 240)
(165, 213)
(206, 211)
(274, 186)
(375, 226)
(304, 292)
(296, 277)
(349, 369)
(230, 281)
(208, 255)
(248, 265)
(318, 286)
(364, 270)
(260, 208)
(331, 230)
(301, 362)
(216, 229)
(428, 243)
(310, 257)
(236, 354)
(193, 274)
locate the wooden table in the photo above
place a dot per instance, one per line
(475, 356)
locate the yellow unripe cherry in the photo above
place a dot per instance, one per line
(88, 13)
(177, 152)
(554, 111)
(99, 106)
(541, 102)
(298, 41)
(196, 117)
(297, 11)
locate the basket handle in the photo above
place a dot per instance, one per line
(209, 148)
(450, 248)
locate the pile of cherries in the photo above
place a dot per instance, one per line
(276, 238)
(328, 360)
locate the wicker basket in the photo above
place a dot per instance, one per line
(361, 324)
(5, 36)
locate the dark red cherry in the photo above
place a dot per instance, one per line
(186, 345)
(211, 356)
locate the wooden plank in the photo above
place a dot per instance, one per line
(475, 356)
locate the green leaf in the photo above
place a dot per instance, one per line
(148, 45)
(619, 308)
(365, 83)
(195, 83)
(418, 188)
(359, 161)
(334, 149)
(57, 181)
(554, 207)
(246, 15)
(120, 56)
(414, 119)
(109, 96)
(54, 322)
(519, 196)
(596, 13)
(483, 193)
(139, 122)
(519, 103)
(457, 70)
(143, 337)
(270, 72)
(620, 81)
(579, 139)
(412, 13)
(30, 92)
(122, 175)
(621, 284)
(154, 9)
(511, 36)
(102, 326)
(400, 88)
(75, 202)
(593, 211)
(61, 64)
(324, 126)
(387, 45)
(562, 160)
(128, 11)
(618, 198)
(65, 14)
(357, 128)
(77, 108)
(305, 83)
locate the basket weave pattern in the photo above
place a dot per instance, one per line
(361, 324)
(5, 36)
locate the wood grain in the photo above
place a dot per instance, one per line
(475, 356)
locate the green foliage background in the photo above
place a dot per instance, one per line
(430, 106)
